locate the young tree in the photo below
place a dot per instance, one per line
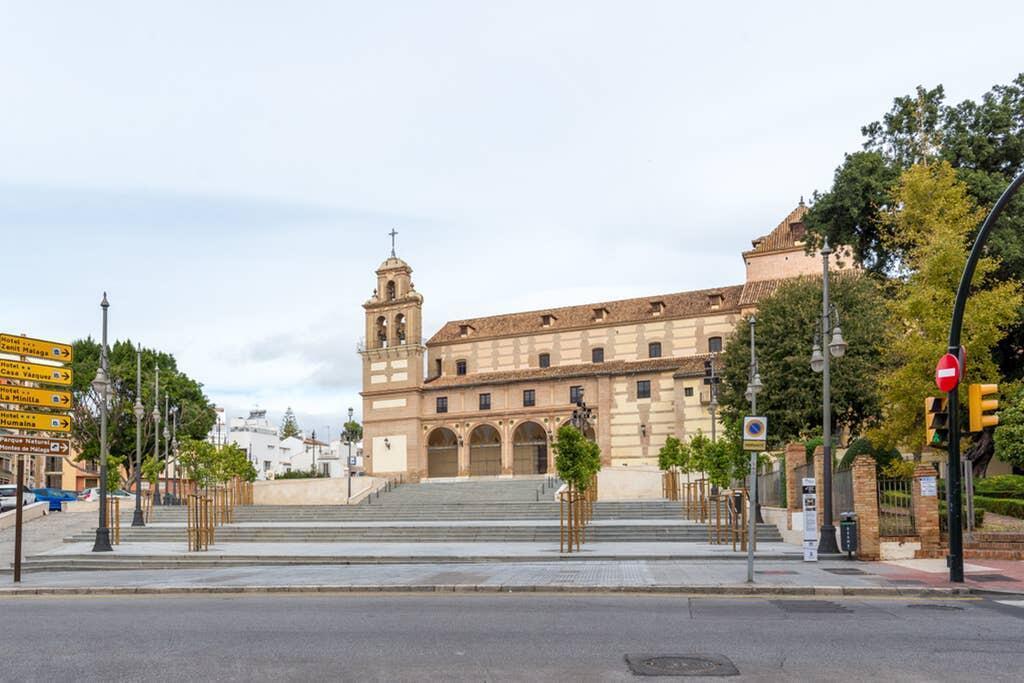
(354, 430)
(289, 425)
(577, 459)
(1009, 435)
(674, 454)
(792, 393)
(935, 218)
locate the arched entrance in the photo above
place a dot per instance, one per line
(484, 451)
(529, 449)
(442, 453)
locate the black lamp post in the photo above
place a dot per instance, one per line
(137, 519)
(102, 387)
(348, 436)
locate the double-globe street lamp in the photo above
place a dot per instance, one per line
(101, 385)
(140, 412)
(820, 363)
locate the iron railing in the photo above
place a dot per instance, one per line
(842, 492)
(769, 489)
(895, 509)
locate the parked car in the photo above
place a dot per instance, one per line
(55, 496)
(9, 496)
(94, 494)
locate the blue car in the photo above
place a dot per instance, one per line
(54, 496)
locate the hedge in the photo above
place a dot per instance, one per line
(979, 517)
(1000, 506)
(1001, 486)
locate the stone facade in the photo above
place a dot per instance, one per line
(865, 506)
(485, 396)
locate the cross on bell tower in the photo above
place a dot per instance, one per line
(393, 233)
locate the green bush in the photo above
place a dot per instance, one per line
(1001, 486)
(300, 474)
(810, 445)
(979, 517)
(863, 446)
(1000, 506)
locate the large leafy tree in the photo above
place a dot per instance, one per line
(786, 325)
(1009, 435)
(983, 141)
(195, 412)
(936, 215)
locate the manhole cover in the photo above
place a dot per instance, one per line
(937, 608)
(681, 665)
(810, 606)
(846, 571)
(989, 577)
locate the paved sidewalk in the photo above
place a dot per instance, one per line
(1002, 576)
(792, 578)
(45, 533)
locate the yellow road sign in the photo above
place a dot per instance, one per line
(34, 372)
(27, 346)
(42, 422)
(42, 398)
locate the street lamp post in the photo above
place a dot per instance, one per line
(312, 454)
(172, 468)
(820, 362)
(156, 432)
(167, 449)
(139, 411)
(348, 436)
(754, 387)
(102, 386)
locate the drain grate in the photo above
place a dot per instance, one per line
(810, 607)
(775, 572)
(937, 608)
(846, 571)
(681, 665)
(990, 577)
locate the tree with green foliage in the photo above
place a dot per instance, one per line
(196, 413)
(675, 454)
(934, 219)
(863, 446)
(352, 431)
(786, 325)
(208, 464)
(289, 425)
(1009, 435)
(983, 141)
(577, 458)
(114, 464)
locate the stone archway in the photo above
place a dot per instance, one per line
(529, 449)
(484, 451)
(442, 453)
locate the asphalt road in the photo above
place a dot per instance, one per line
(500, 637)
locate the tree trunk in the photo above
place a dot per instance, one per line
(981, 452)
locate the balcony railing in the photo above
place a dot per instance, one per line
(361, 346)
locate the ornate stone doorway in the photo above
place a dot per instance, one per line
(529, 449)
(442, 453)
(484, 451)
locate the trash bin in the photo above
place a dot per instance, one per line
(848, 533)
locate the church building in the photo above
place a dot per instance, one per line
(485, 396)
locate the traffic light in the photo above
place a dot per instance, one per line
(936, 421)
(978, 406)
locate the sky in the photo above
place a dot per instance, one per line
(228, 172)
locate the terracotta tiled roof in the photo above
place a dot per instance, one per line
(754, 292)
(679, 305)
(682, 365)
(785, 235)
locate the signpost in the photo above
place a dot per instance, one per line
(17, 345)
(947, 373)
(42, 398)
(35, 372)
(755, 433)
(810, 505)
(21, 393)
(755, 440)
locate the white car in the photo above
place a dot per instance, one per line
(9, 499)
(94, 494)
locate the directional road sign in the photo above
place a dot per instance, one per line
(27, 346)
(42, 398)
(35, 372)
(34, 445)
(42, 422)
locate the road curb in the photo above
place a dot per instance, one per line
(718, 590)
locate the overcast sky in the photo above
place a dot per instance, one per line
(228, 171)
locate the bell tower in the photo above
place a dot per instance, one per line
(393, 353)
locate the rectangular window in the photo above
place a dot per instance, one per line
(544, 360)
(485, 401)
(529, 398)
(597, 355)
(654, 350)
(714, 345)
(643, 388)
(688, 391)
(442, 404)
(575, 394)
(460, 367)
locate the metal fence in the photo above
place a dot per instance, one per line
(769, 489)
(842, 492)
(895, 509)
(803, 472)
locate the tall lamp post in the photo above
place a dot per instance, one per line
(172, 468)
(139, 411)
(820, 363)
(102, 387)
(349, 436)
(156, 432)
(312, 454)
(167, 450)
(754, 387)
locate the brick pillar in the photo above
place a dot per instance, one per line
(926, 511)
(819, 476)
(865, 505)
(796, 456)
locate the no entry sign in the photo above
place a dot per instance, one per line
(947, 373)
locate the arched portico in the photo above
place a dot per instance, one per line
(442, 453)
(484, 451)
(529, 449)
